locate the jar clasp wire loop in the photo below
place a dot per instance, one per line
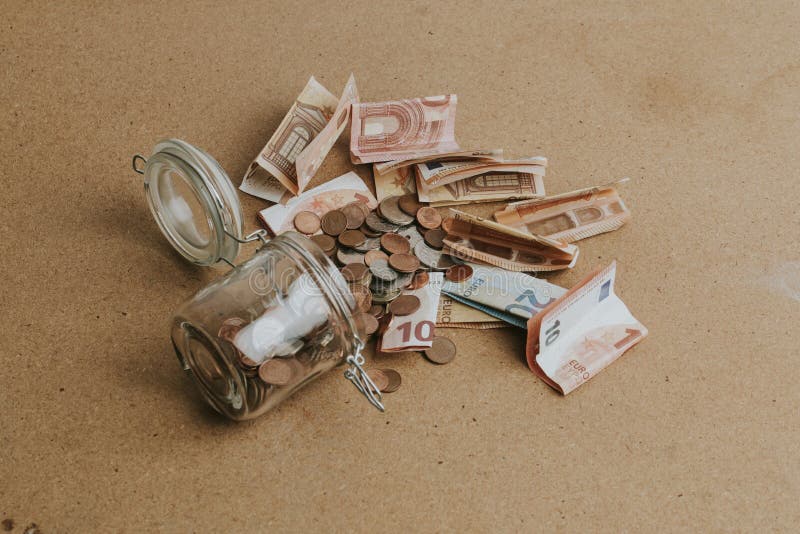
(137, 168)
(356, 374)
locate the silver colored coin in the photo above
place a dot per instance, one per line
(381, 271)
(390, 210)
(370, 243)
(411, 233)
(376, 224)
(432, 258)
(386, 297)
(347, 255)
(403, 279)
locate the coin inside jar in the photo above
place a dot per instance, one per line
(334, 222)
(362, 296)
(458, 273)
(354, 214)
(404, 305)
(409, 204)
(374, 255)
(394, 381)
(276, 372)
(307, 222)
(405, 263)
(429, 218)
(441, 351)
(434, 238)
(366, 324)
(420, 280)
(325, 242)
(378, 378)
(395, 243)
(355, 272)
(351, 238)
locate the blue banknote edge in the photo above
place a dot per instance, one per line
(511, 319)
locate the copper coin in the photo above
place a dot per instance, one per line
(428, 218)
(354, 214)
(458, 273)
(307, 222)
(404, 305)
(351, 238)
(377, 311)
(378, 378)
(435, 238)
(394, 381)
(447, 225)
(409, 204)
(395, 244)
(441, 351)
(362, 296)
(366, 324)
(325, 242)
(405, 263)
(369, 232)
(276, 372)
(420, 280)
(334, 222)
(354, 273)
(374, 255)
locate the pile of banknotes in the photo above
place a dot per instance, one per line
(411, 264)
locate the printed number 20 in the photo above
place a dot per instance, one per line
(423, 331)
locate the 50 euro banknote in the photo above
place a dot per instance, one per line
(461, 155)
(581, 333)
(438, 173)
(489, 187)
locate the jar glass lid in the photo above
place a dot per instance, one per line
(193, 201)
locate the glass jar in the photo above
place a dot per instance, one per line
(271, 324)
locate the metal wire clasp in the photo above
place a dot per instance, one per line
(356, 374)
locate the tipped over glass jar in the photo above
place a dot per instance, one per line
(270, 325)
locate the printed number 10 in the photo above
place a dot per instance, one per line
(423, 331)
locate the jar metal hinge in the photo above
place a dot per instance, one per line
(356, 374)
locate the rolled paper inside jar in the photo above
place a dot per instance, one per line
(276, 331)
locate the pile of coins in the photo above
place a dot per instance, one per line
(381, 253)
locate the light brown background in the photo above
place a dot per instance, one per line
(694, 429)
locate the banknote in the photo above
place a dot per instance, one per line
(305, 119)
(436, 173)
(396, 182)
(310, 159)
(415, 331)
(581, 333)
(403, 129)
(512, 297)
(454, 314)
(331, 195)
(569, 216)
(484, 188)
(462, 155)
(474, 238)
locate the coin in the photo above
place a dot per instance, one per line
(395, 243)
(381, 271)
(441, 351)
(354, 214)
(377, 311)
(405, 305)
(386, 297)
(276, 372)
(376, 224)
(374, 255)
(409, 204)
(432, 258)
(458, 273)
(366, 324)
(372, 243)
(405, 263)
(355, 273)
(447, 224)
(369, 232)
(402, 280)
(351, 238)
(429, 218)
(390, 210)
(378, 378)
(435, 238)
(325, 242)
(307, 222)
(420, 280)
(394, 381)
(362, 296)
(346, 256)
(334, 222)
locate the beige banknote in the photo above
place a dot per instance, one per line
(415, 331)
(436, 174)
(477, 239)
(310, 159)
(569, 216)
(331, 195)
(483, 188)
(454, 314)
(581, 333)
(403, 129)
(396, 182)
(462, 155)
(276, 162)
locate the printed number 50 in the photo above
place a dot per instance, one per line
(423, 331)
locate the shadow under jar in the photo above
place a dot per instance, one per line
(270, 325)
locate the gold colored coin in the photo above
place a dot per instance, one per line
(354, 214)
(404, 305)
(325, 242)
(458, 273)
(420, 280)
(394, 381)
(334, 222)
(307, 222)
(395, 244)
(434, 238)
(379, 378)
(441, 351)
(374, 255)
(405, 263)
(409, 204)
(351, 238)
(429, 218)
